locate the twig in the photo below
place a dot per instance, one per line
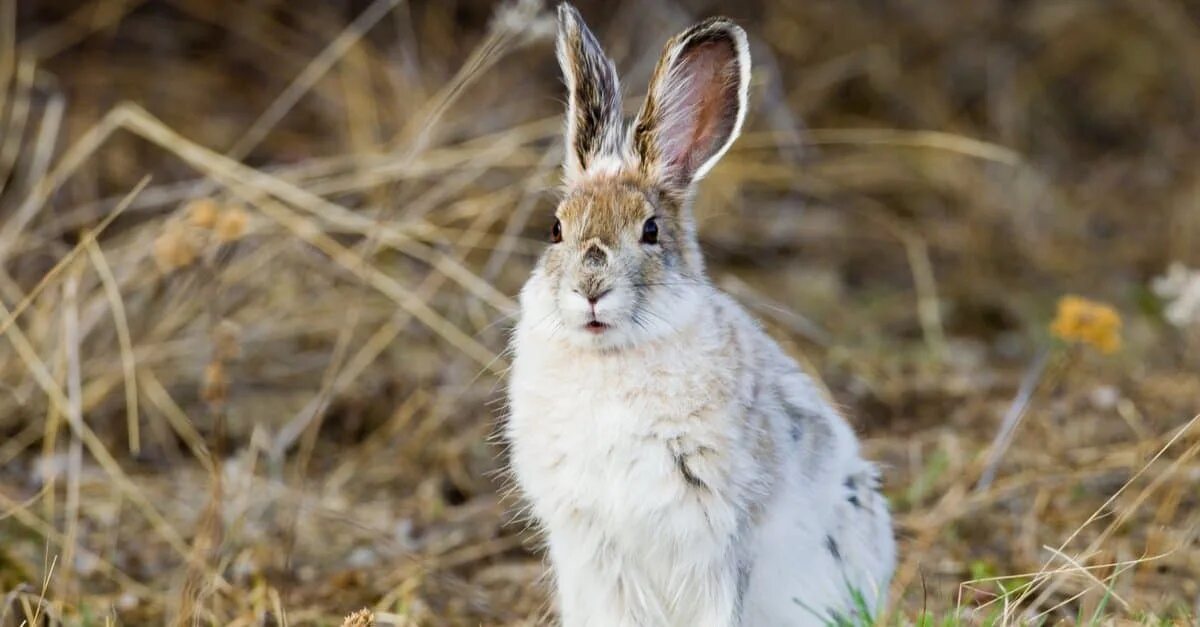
(124, 340)
(1008, 426)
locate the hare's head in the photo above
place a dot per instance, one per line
(624, 265)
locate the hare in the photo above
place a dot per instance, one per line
(684, 469)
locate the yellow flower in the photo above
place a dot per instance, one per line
(203, 212)
(173, 249)
(1087, 322)
(231, 223)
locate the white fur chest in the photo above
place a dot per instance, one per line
(622, 441)
(623, 458)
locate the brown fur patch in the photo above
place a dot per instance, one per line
(604, 209)
(609, 212)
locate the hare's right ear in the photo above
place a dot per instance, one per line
(593, 96)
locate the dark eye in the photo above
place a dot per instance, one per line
(556, 232)
(650, 232)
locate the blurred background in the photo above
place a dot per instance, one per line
(258, 261)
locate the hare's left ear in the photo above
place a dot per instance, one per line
(696, 103)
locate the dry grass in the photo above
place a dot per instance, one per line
(257, 263)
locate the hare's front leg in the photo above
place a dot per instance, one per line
(601, 587)
(588, 589)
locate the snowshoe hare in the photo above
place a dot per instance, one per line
(685, 470)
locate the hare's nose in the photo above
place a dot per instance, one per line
(594, 256)
(594, 297)
(592, 293)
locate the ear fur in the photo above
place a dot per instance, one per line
(695, 105)
(594, 124)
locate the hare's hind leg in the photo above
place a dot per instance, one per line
(822, 557)
(794, 579)
(865, 527)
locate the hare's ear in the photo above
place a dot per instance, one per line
(593, 96)
(696, 103)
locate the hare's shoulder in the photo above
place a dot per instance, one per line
(803, 417)
(782, 377)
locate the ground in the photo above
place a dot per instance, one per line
(259, 386)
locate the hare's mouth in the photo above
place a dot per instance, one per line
(595, 326)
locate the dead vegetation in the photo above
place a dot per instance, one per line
(257, 262)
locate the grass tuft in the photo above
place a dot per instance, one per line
(258, 262)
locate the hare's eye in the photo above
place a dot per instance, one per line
(650, 232)
(556, 232)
